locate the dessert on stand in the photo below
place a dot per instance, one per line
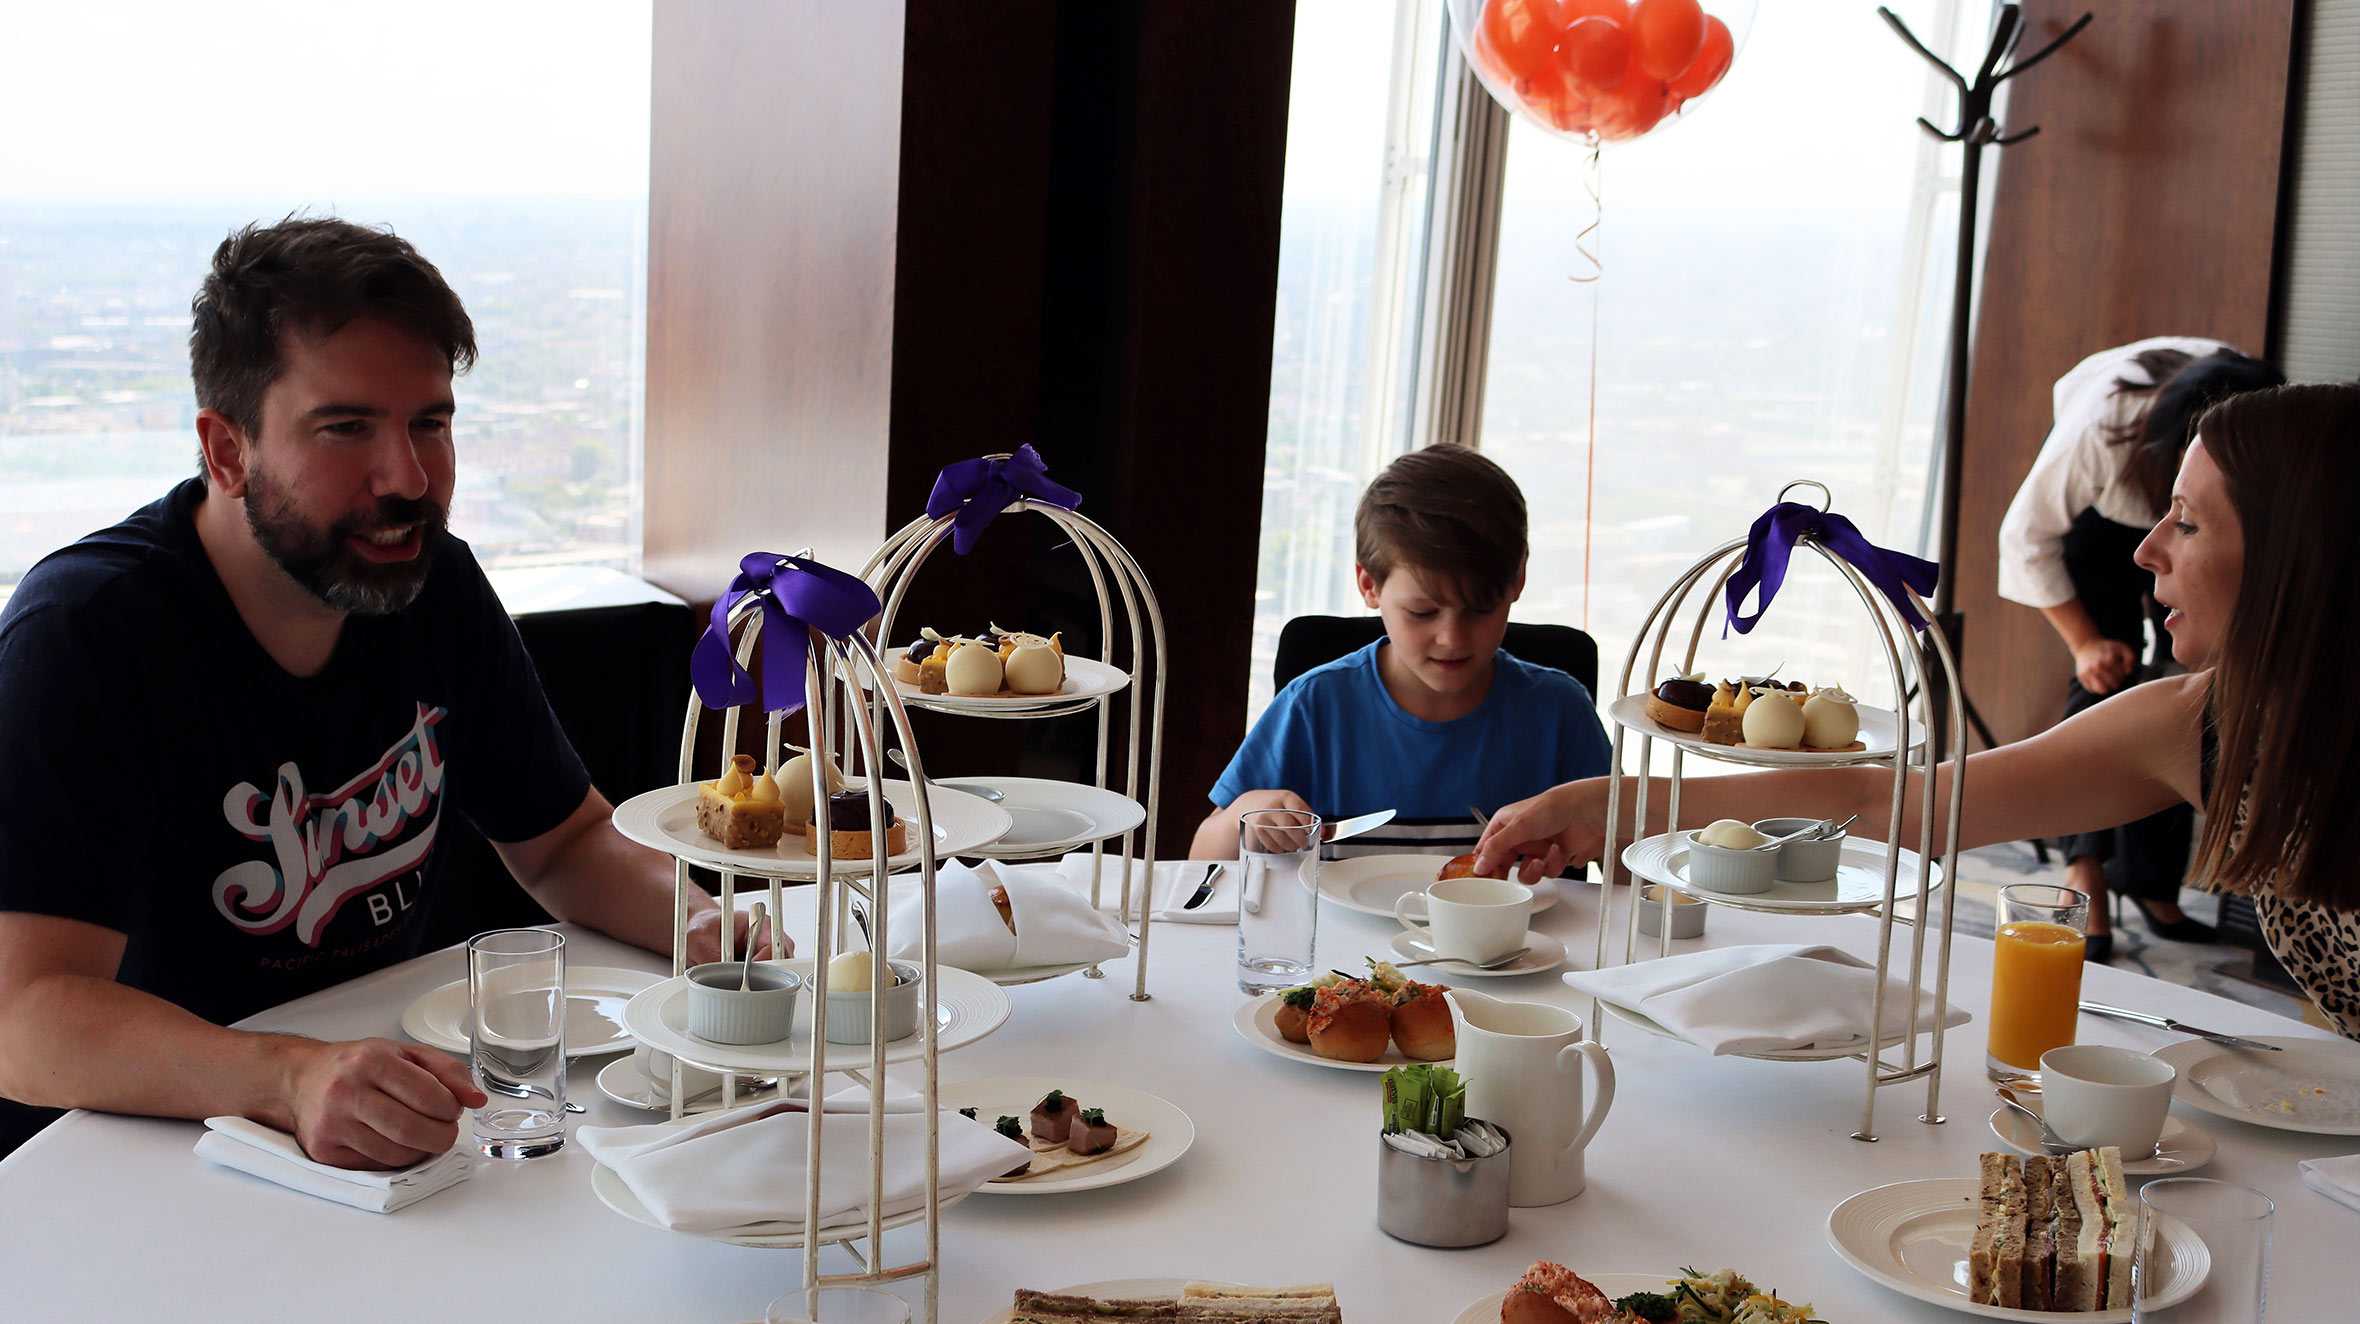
(1767, 721)
(1023, 675)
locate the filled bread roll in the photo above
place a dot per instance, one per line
(1350, 1023)
(1421, 1024)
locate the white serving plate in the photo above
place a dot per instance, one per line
(1876, 732)
(665, 819)
(966, 1008)
(1170, 1133)
(1371, 884)
(1859, 883)
(2183, 1148)
(1052, 817)
(1085, 678)
(595, 997)
(1257, 1022)
(1485, 1309)
(1912, 1236)
(2312, 1085)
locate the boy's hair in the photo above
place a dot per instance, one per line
(309, 276)
(1449, 512)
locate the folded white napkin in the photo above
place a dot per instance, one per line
(273, 1155)
(1171, 883)
(1054, 924)
(2336, 1178)
(1760, 998)
(745, 1167)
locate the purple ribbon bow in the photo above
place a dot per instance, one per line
(1772, 540)
(795, 593)
(980, 489)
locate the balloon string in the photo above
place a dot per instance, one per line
(1589, 245)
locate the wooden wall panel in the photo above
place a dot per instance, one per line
(2147, 206)
(774, 172)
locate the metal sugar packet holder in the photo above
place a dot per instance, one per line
(1929, 733)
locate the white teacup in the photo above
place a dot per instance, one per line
(695, 1082)
(2093, 1095)
(1470, 919)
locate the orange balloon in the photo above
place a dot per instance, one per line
(1577, 10)
(1630, 109)
(1666, 35)
(1711, 62)
(1596, 52)
(1522, 36)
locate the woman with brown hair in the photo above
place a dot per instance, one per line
(2253, 562)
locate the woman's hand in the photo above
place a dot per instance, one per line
(1564, 825)
(2103, 664)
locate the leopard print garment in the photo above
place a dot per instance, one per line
(2318, 944)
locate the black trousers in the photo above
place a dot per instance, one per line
(2148, 858)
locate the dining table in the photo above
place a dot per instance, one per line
(1702, 1161)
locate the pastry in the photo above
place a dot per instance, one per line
(794, 789)
(1052, 1117)
(1350, 1021)
(741, 809)
(1680, 703)
(1014, 1130)
(1724, 716)
(909, 664)
(1460, 866)
(1294, 1014)
(1550, 1293)
(973, 671)
(1421, 1023)
(1000, 902)
(1773, 720)
(850, 833)
(1831, 720)
(1091, 1133)
(1033, 665)
(933, 674)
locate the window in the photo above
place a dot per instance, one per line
(1774, 306)
(508, 142)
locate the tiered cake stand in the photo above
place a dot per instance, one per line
(1897, 739)
(941, 821)
(1139, 690)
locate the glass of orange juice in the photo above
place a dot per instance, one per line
(2035, 977)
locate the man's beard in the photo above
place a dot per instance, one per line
(321, 562)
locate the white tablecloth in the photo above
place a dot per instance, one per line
(1703, 1161)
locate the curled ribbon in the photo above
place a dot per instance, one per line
(980, 489)
(1772, 540)
(795, 593)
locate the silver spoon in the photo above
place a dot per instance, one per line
(746, 958)
(984, 792)
(1493, 964)
(2048, 1138)
(860, 915)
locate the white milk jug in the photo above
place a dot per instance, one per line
(1522, 1062)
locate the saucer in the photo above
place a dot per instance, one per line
(1547, 954)
(623, 1081)
(2184, 1148)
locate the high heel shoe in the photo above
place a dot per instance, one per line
(2182, 929)
(2098, 947)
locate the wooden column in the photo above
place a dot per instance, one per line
(2147, 206)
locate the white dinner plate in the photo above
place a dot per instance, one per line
(1859, 883)
(2184, 1148)
(615, 1194)
(623, 1081)
(1257, 1021)
(966, 1008)
(1169, 1130)
(1811, 1053)
(665, 819)
(1371, 884)
(1486, 1309)
(1126, 1289)
(1876, 732)
(594, 1000)
(1912, 1236)
(1053, 817)
(1546, 954)
(2312, 1086)
(1085, 678)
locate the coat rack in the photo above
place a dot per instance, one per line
(1976, 129)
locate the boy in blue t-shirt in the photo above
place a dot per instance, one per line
(1434, 720)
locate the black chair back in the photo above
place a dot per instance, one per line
(1310, 641)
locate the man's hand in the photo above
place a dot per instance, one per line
(375, 1104)
(704, 938)
(1564, 825)
(2104, 664)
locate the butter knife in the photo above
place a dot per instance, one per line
(1204, 890)
(1353, 827)
(2181, 1027)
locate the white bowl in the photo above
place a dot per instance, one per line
(848, 1013)
(1803, 861)
(763, 1013)
(1687, 913)
(1738, 872)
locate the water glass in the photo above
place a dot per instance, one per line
(516, 1040)
(2036, 961)
(840, 1305)
(2235, 1225)
(1278, 898)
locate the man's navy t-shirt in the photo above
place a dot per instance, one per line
(255, 835)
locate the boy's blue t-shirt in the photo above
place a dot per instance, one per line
(1335, 737)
